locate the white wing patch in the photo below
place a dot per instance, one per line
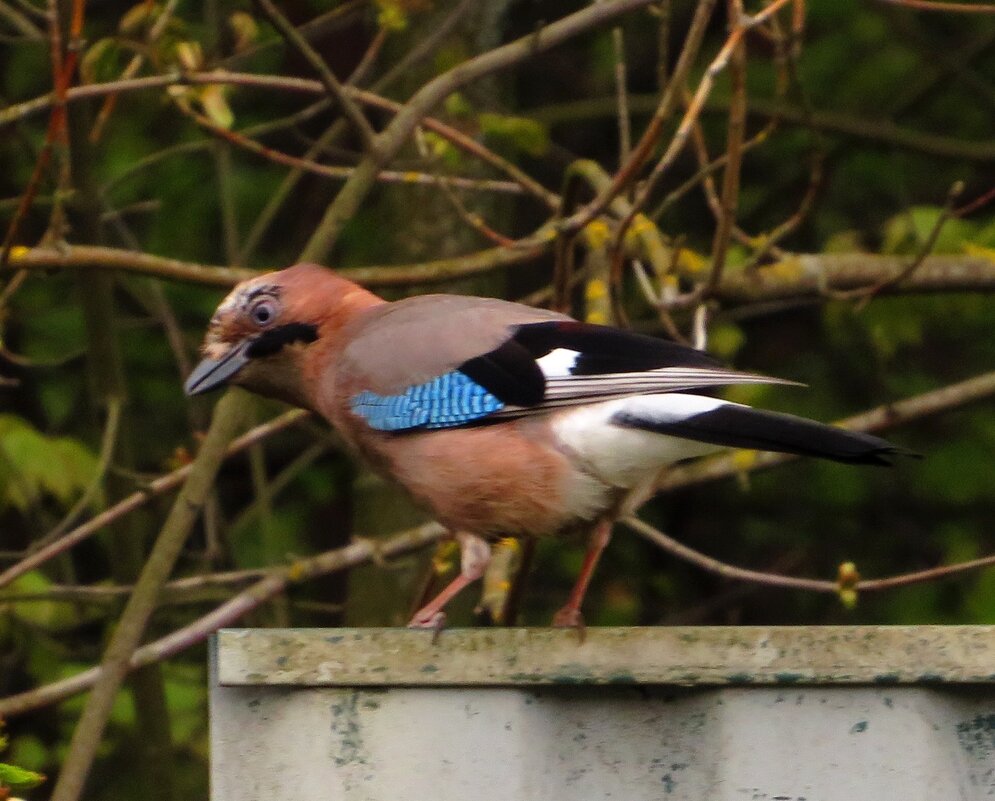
(625, 457)
(558, 363)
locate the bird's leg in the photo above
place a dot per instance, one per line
(569, 615)
(475, 554)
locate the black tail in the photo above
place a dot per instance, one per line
(737, 426)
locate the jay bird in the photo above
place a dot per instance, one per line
(499, 418)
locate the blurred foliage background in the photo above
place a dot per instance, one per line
(886, 109)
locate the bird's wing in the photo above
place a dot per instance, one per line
(395, 346)
(429, 373)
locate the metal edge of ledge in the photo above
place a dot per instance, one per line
(680, 655)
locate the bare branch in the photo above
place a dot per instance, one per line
(868, 293)
(159, 486)
(795, 277)
(127, 633)
(273, 584)
(939, 5)
(335, 89)
(393, 138)
(734, 156)
(849, 125)
(766, 579)
(330, 171)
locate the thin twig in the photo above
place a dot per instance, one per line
(315, 29)
(21, 23)
(127, 633)
(276, 581)
(107, 447)
(284, 84)
(260, 506)
(473, 220)
(157, 487)
(848, 125)
(704, 171)
(425, 44)
(132, 67)
(55, 134)
(683, 552)
(868, 293)
(767, 579)
(335, 89)
(693, 111)
(979, 202)
(329, 171)
(734, 155)
(622, 95)
(663, 109)
(768, 241)
(358, 75)
(938, 5)
(396, 134)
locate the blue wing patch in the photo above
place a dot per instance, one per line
(450, 400)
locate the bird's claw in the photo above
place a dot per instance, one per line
(570, 617)
(433, 621)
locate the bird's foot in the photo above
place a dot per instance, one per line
(570, 617)
(474, 556)
(430, 619)
(427, 620)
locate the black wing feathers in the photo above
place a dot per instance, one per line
(608, 350)
(510, 372)
(737, 426)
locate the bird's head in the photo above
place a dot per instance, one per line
(272, 331)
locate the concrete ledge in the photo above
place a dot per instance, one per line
(705, 656)
(848, 713)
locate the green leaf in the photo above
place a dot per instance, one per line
(101, 61)
(138, 17)
(457, 105)
(15, 778)
(392, 15)
(215, 105)
(245, 30)
(52, 616)
(725, 340)
(442, 149)
(33, 465)
(521, 133)
(908, 231)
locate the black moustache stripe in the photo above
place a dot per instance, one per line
(273, 341)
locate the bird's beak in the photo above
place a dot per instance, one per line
(213, 373)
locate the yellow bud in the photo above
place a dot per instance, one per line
(848, 598)
(641, 225)
(445, 555)
(690, 262)
(847, 575)
(597, 234)
(595, 289)
(190, 55)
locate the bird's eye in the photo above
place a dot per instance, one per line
(262, 313)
